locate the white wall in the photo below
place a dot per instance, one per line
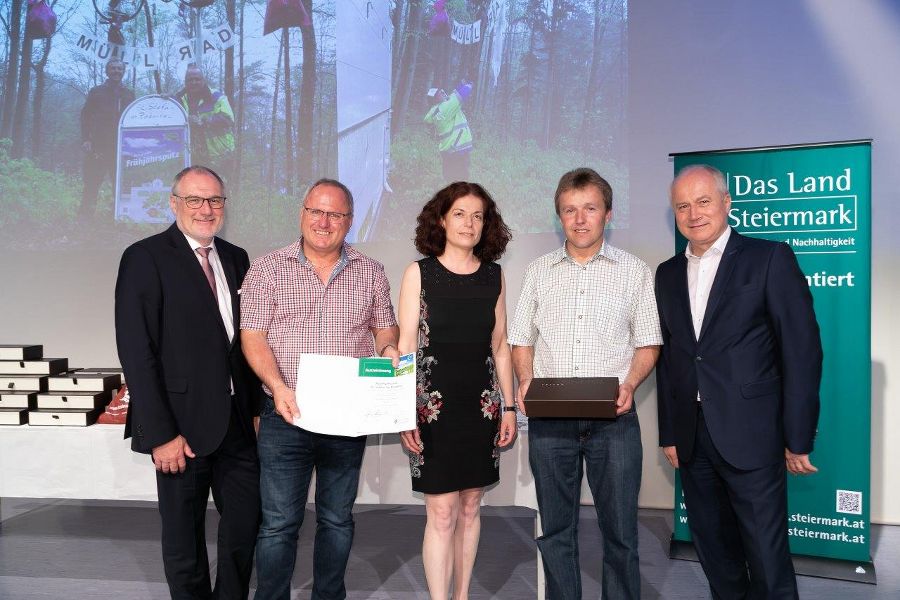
(741, 74)
(724, 74)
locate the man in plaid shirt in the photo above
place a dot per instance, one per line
(318, 295)
(587, 310)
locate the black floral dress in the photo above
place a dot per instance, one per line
(457, 394)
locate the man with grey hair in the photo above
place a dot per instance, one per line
(738, 388)
(319, 295)
(193, 396)
(587, 310)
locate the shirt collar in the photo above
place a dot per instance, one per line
(718, 246)
(562, 254)
(347, 253)
(195, 244)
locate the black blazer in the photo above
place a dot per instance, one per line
(757, 362)
(173, 347)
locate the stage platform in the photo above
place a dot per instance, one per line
(106, 550)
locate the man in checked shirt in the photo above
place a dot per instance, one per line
(318, 295)
(586, 310)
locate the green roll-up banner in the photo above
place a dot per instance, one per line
(817, 198)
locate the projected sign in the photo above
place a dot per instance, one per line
(154, 143)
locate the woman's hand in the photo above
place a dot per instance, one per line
(412, 441)
(508, 428)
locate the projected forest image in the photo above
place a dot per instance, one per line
(100, 100)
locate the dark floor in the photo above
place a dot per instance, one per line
(103, 550)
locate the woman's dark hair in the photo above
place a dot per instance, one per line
(431, 237)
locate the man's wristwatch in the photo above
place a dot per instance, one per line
(509, 408)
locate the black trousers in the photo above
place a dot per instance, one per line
(738, 521)
(97, 167)
(232, 473)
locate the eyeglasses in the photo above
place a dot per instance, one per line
(334, 217)
(197, 201)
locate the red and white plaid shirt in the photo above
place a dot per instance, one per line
(283, 296)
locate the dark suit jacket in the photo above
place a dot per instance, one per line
(757, 362)
(173, 347)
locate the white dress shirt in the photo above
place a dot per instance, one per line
(701, 272)
(222, 292)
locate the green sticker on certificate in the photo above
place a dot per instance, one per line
(375, 367)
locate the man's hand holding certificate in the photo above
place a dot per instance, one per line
(340, 395)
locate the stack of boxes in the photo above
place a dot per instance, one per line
(23, 374)
(76, 398)
(43, 391)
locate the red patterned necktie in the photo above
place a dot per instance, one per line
(207, 270)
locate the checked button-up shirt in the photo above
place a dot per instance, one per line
(586, 320)
(283, 296)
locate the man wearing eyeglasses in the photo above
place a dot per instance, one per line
(318, 295)
(193, 396)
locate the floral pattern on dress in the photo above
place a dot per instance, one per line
(429, 411)
(489, 408)
(428, 404)
(491, 400)
(415, 463)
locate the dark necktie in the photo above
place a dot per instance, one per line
(207, 270)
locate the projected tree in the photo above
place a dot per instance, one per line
(281, 88)
(549, 85)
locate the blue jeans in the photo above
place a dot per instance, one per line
(287, 457)
(558, 450)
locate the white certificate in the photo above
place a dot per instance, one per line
(340, 395)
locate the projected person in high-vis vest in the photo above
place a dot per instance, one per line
(211, 120)
(451, 129)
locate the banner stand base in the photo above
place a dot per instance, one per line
(812, 566)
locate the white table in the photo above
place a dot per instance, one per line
(96, 463)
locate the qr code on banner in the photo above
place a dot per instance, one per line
(849, 502)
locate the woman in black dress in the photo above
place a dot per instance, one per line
(452, 313)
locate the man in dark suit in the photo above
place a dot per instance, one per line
(193, 397)
(738, 388)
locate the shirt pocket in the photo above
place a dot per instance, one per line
(296, 309)
(612, 321)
